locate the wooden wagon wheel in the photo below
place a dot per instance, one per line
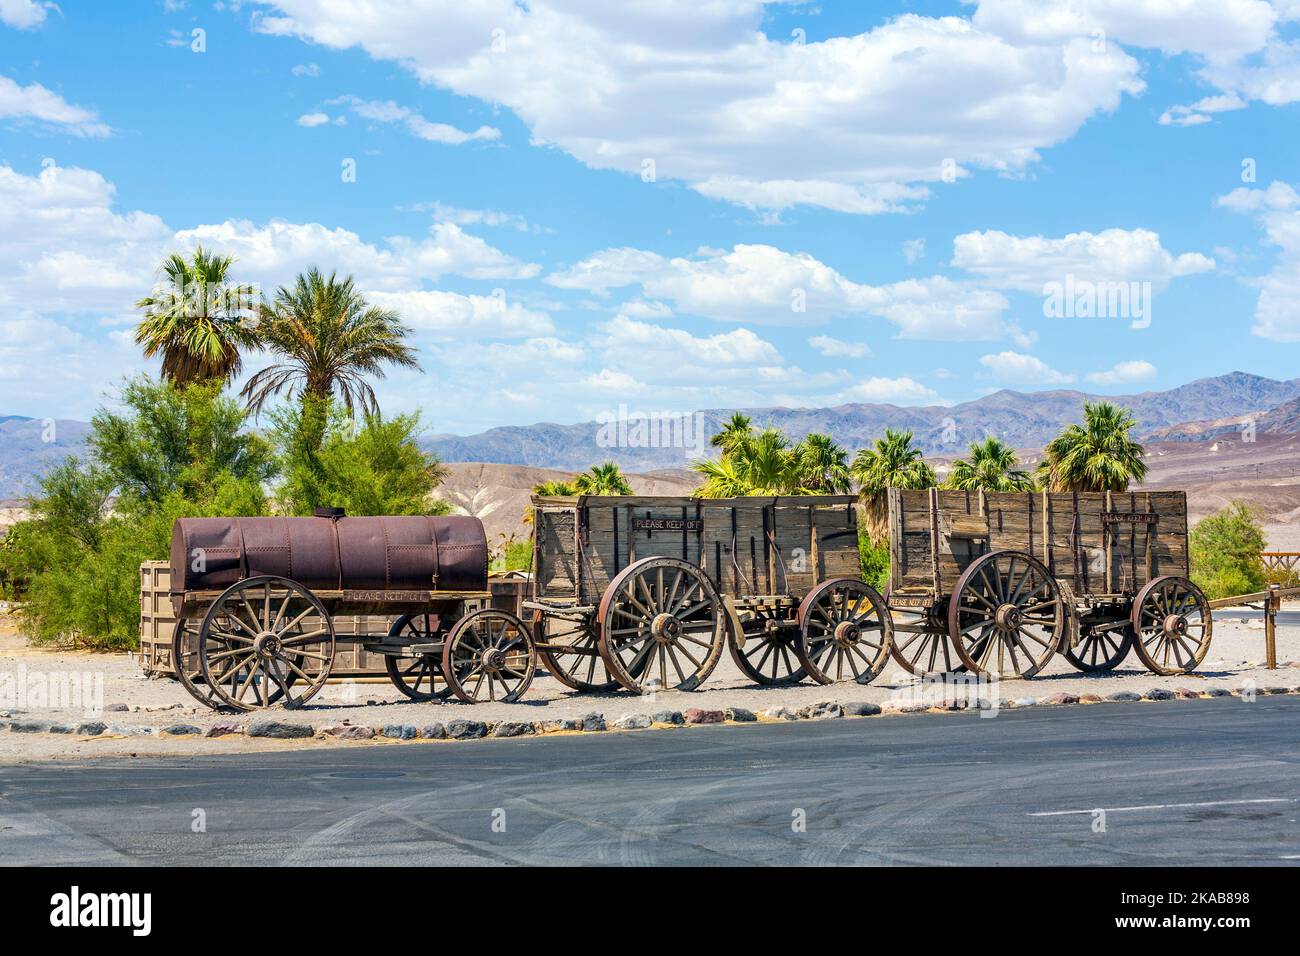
(587, 672)
(844, 630)
(187, 663)
(923, 647)
(489, 655)
(656, 615)
(266, 640)
(419, 678)
(1171, 619)
(1005, 615)
(770, 656)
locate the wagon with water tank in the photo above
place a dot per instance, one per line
(643, 592)
(256, 602)
(998, 582)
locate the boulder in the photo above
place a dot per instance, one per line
(279, 729)
(466, 729)
(740, 715)
(633, 722)
(695, 715)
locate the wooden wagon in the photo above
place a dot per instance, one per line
(998, 582)
(256, 600)
(642, 592)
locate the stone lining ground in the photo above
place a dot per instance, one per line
(157, 717)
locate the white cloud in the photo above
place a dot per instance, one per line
(313, 119)
(1201, 111)
(646, 342)
(272, 252)
(416, 125)
(895, 391)
(838, 348)
(1124, 373)
(913, 250)
(1027, 263)
(1019, 369)
(450, 315)
(35, 103)
(306, 69)
(854, 123)
(24, 14)
(765, 285)
(1277, 210)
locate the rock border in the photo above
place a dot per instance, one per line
(270, 728)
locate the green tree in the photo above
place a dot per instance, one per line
(328, 341)
(1097, 455)
(166, 440)
(892, 462)
(371, 467)
(735, 430)
(197, 320)
(1225, 551)
(166, 453)
(555, 488)
(991, 467)
(606, 479)
(821, 465)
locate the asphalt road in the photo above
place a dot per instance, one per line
(1182, 782)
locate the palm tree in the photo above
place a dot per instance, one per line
(735, 430)
(822, 465)
(761, 463)
(329, 340)
(606, 479)
(555, 489)
(1098, 455)
(992, 467)
(893, 462)
(196, 320)
(722, 478)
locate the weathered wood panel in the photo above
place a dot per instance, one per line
(1099, 543)
(746, 545)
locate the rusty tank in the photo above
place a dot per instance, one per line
(324, 553)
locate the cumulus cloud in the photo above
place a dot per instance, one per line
(449, 315)
(1277, 210)
(895, 391)
(1027, 263)
(838, 348)
(1124, 373)
(419, 127)
(862, 124)
(766, 285)
(24, 14)
(313, 119)
(34, 103)
(1019, 369)
(270, 252)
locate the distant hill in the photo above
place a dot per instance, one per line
(1196, 411)
(1023, 419)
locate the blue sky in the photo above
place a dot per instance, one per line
(580, 205)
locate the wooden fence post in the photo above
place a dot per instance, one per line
(1271, 606)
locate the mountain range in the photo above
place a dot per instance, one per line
(1201, 409)
(1026, 420)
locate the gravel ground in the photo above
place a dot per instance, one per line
(137, 709)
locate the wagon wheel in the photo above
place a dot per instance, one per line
(770, 656)
(186, 662)
(419, 678)
(586, 670)
(1005, 615)
(844, 630)
(1172, 624)
(927, 649)
(489, 655)
(265, 640)
(656, 615)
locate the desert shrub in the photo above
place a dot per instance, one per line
(167, 453)
(1225, 551)
(370, 467)
(514, 554)
(874, 560)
